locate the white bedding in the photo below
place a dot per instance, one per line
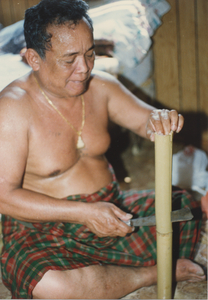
(11, 68)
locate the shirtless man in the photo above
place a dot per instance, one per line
(53, 137)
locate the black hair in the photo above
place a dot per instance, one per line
(49, 12)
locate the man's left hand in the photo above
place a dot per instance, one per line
(163, 121)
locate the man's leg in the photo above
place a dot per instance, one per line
(107, 282)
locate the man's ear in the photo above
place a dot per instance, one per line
(33, 59)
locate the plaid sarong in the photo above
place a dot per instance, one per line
(30, 252)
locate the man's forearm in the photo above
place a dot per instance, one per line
(29, 206)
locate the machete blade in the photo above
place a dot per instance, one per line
(183, 214)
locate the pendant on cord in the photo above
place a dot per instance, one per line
(80, 143)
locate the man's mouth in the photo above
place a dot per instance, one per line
(79, 81)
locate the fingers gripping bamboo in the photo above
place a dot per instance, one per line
(163, 207)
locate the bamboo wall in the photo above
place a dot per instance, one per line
(181, 65)
(12, 11)
(181, 60)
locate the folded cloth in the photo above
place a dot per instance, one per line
(31, 249)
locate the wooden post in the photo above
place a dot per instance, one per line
(163, 208)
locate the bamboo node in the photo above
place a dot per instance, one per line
(164, 234)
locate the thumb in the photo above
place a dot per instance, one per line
(121, 214)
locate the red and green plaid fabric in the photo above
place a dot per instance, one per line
(30, 252)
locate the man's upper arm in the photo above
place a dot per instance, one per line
(13, 144)
(126, 109)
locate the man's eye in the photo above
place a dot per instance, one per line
(70, 62)
(91, 55)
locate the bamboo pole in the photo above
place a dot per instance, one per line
(163, 208)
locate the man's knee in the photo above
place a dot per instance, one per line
(53, 285)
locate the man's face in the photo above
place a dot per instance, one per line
(68, 64)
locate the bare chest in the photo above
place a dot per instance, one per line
(52, 141)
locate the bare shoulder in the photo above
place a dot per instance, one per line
(15, 98)
(103, 82)
(108, 87)
(15, 106)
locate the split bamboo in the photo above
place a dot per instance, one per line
(163, 208)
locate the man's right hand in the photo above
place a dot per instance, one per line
(104, 219)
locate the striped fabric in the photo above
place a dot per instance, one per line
(30, 252)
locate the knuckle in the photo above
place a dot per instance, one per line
(165, 114)
(155, 115)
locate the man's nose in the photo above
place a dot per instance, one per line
(82, 66)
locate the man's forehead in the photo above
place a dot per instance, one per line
(54, 27)
(68, 26)
(70, 33)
